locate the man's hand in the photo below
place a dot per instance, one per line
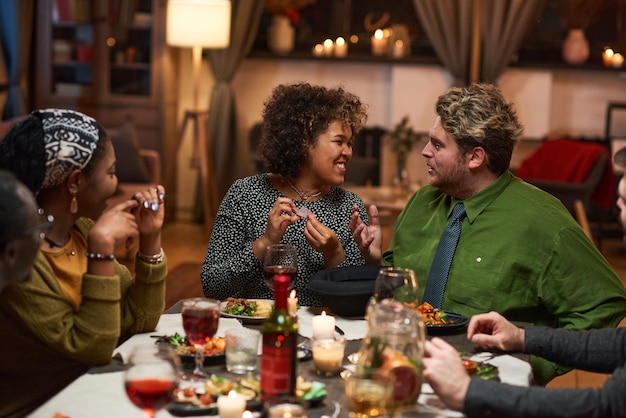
(492, 330)
(368, 238)
(444, 371)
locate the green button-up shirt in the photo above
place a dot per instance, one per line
(520, 253)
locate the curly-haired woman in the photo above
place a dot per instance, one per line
(308, 133)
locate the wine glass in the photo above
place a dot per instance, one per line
(200, 320)
(280, 259)
(397, 283)
(151, 377)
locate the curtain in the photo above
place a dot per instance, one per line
(447, 24)
(16, 23)
(504, 25)
(231, 155)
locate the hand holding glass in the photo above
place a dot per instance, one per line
(200, 320)
(280, 259)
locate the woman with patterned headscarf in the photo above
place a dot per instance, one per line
(80, 302)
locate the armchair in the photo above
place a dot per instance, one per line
(571, 170)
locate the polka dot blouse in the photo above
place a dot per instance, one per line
(230, 268)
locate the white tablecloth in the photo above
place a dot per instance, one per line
(103, 394)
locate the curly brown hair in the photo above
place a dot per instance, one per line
(479, 116)
(295, 115)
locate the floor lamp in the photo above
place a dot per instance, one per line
(199, 24)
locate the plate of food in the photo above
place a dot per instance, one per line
(441, 320)
(194, 401)
(480, 369)
(213, 350)
(248, 311)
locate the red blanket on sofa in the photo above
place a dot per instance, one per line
(570, 161)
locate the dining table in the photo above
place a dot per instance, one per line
(100, 391)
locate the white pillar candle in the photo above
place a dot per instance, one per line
(247, 414)
(292, 303)
(231, 406)
(398, 49)
(328, 47)
(323, 326)
(379, 43)
(341, 48)
(617, 60)
(318, 50)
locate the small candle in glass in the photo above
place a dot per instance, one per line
(618, 60)
(231, 406)
(328, 355)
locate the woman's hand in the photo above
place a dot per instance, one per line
(324, 240)
(368, 238)
(282, 214)
(150, 212)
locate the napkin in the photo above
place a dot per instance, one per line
(169, 324)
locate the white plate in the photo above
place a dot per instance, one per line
(243, 318)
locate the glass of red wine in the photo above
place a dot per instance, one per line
(151, 377)
(200, 320)
(280, 259)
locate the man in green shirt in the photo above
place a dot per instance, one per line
(520, 251)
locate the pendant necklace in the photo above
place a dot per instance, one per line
(303, 195)
(54, 244)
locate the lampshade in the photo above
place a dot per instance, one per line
(198, 23)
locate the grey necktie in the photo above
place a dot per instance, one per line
(440, 268)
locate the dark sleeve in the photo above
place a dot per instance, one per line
(597, 350)
(493, 399)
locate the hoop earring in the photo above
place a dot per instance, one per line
(74, 202)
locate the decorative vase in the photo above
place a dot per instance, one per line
(401, 181)
(575, 47)
(281, 35)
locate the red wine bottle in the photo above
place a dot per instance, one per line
(280, 336)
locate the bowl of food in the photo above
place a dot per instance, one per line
(345, 290)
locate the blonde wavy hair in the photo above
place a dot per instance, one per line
(479, 116)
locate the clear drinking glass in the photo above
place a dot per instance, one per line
(399, 284)
(369, 395)
(200, 320)
(280, 259)
(151, 377)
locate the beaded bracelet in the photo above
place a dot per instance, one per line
(151, 259)
(101, 257)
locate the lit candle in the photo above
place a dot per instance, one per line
(379, 43)
(231, 406)
(618, 60)
(318, 50)
(247, 414)
(328, 355)
(341, 48)
(328, 47)
(292, 303)
(324, 326)
(398, 49)
(607, 57)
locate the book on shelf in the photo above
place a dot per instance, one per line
(71, 11)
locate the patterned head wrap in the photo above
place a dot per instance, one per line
(70, 139)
